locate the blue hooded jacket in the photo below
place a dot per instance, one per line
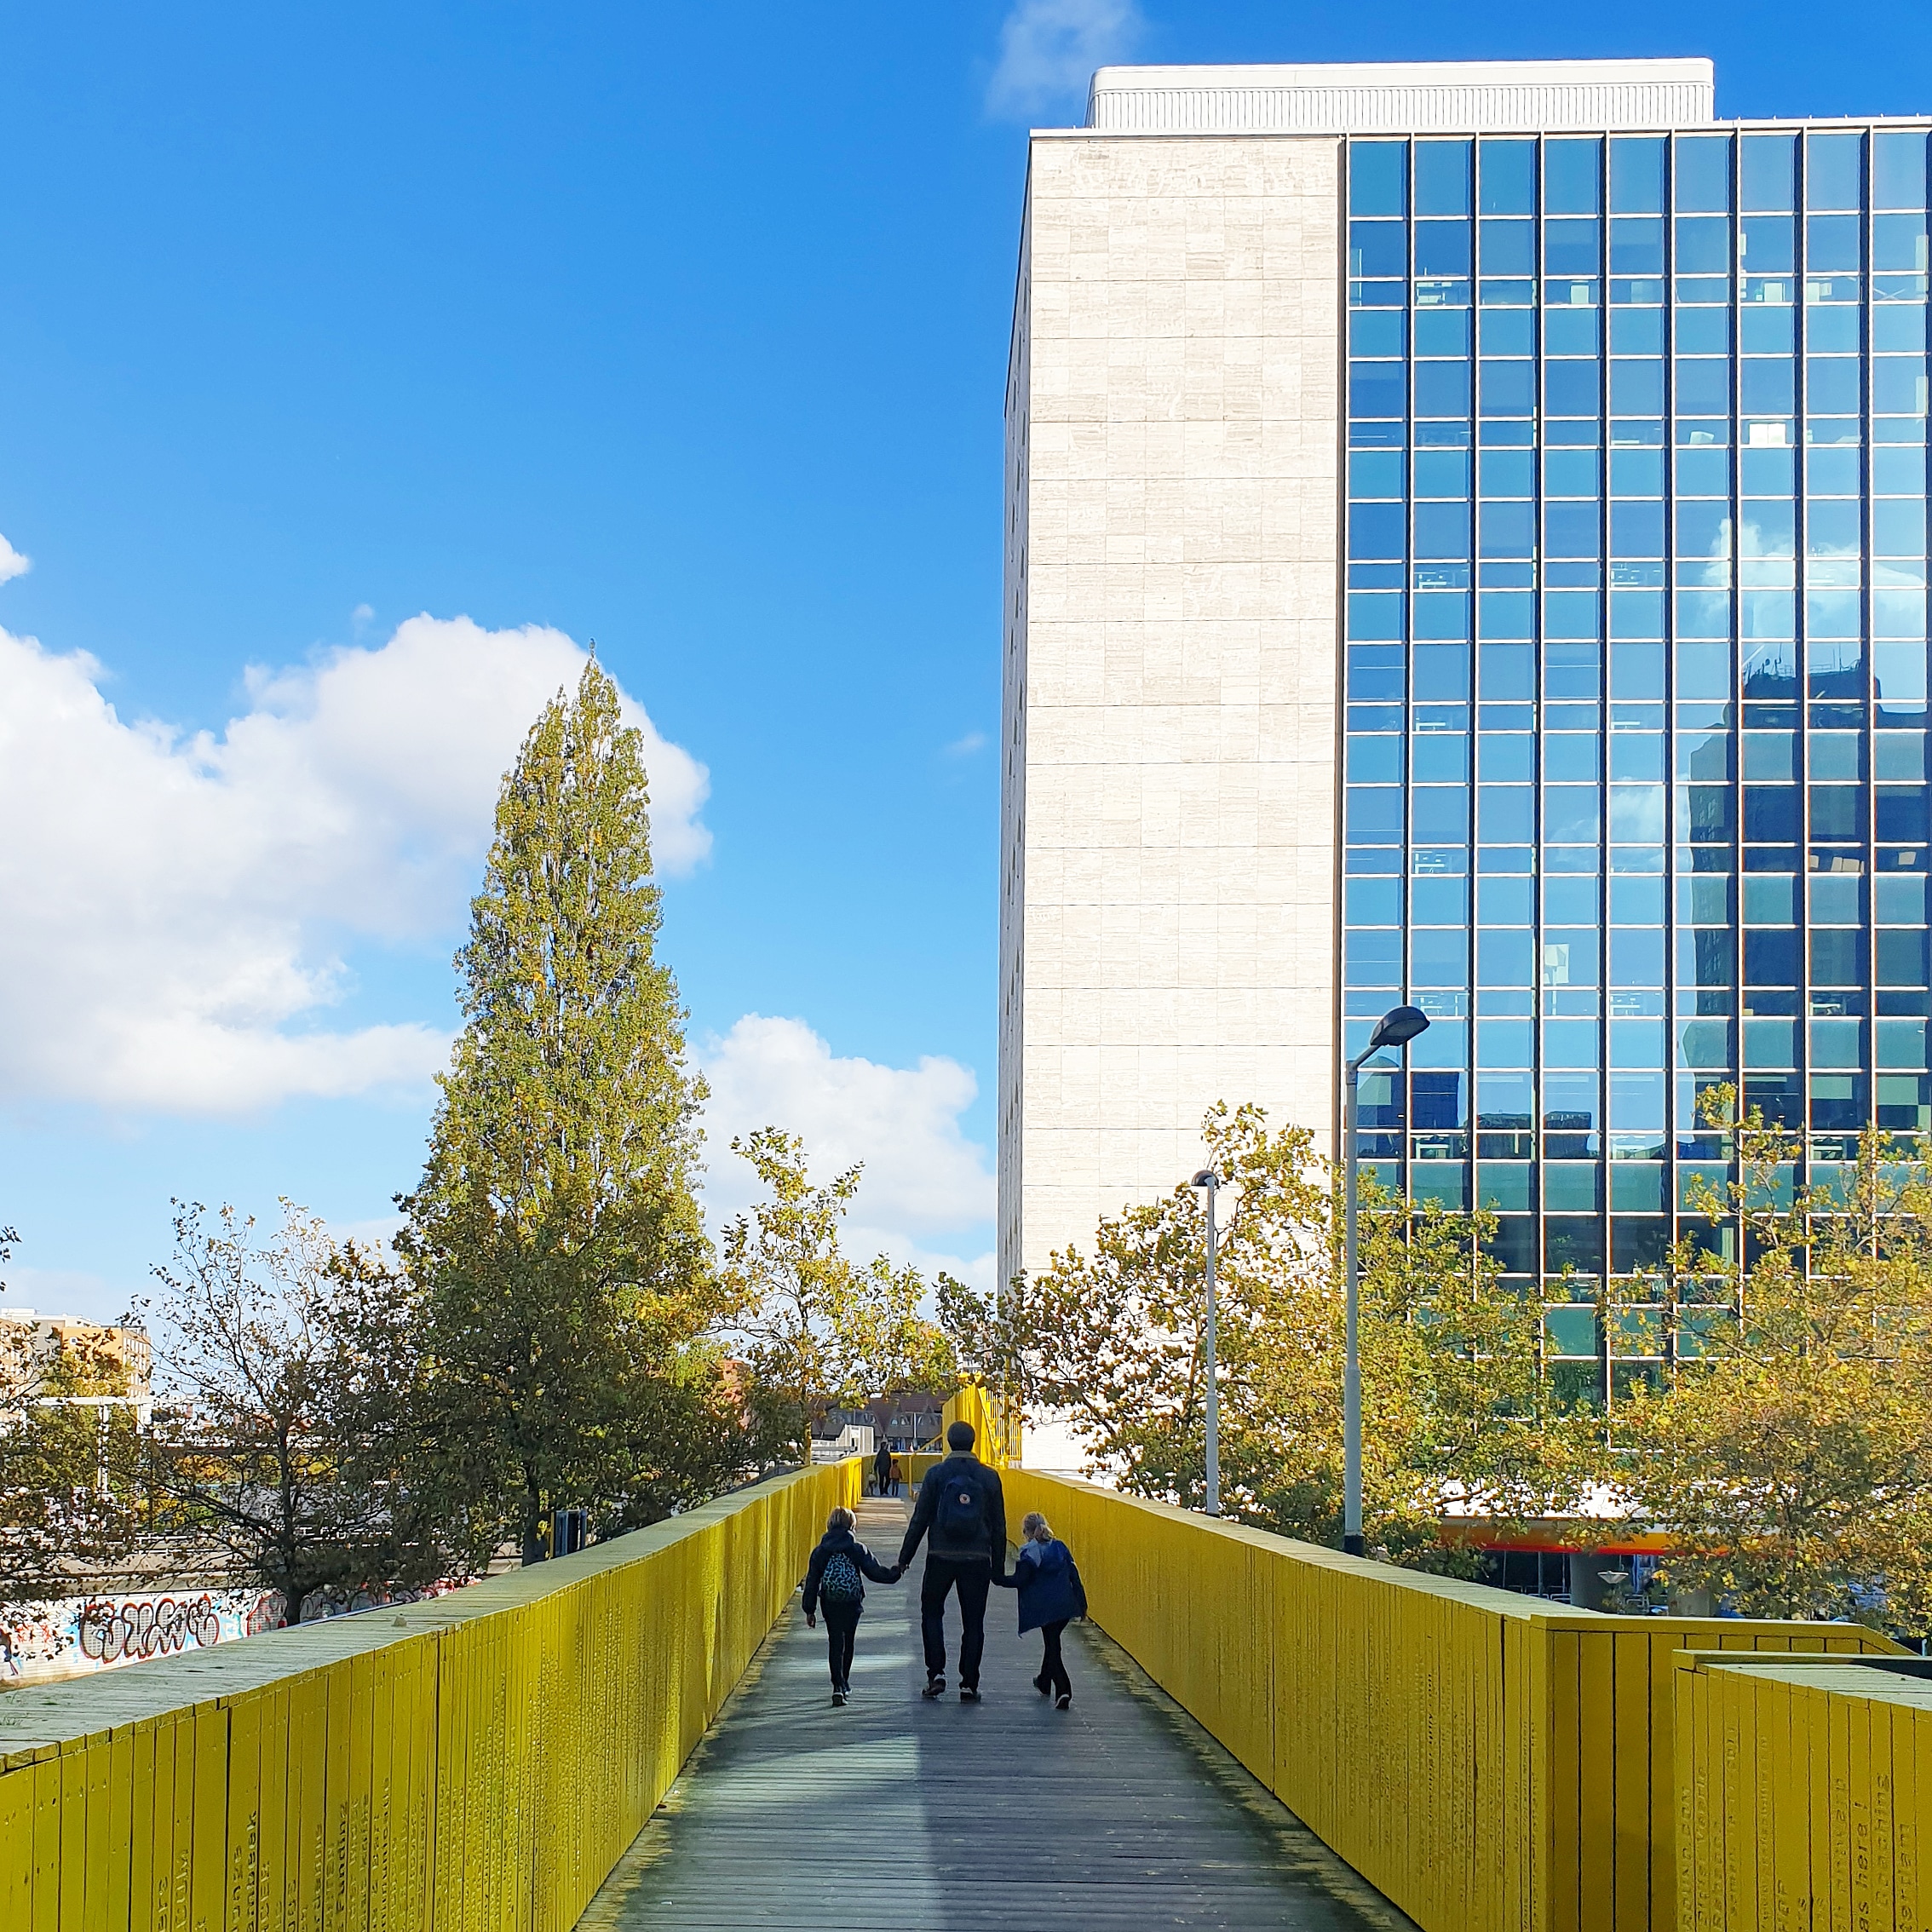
(1048, 1580)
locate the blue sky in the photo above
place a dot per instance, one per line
(682, 328)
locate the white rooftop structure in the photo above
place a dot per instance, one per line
(1403, 97)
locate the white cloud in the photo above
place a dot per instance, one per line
(966, 746)
(1049, 49)
(174, 904)
(11, 563)
(923, 1177)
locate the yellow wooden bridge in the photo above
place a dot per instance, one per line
(1264, 1733)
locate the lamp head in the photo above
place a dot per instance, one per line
(1206, 1178)
(1398, 1027)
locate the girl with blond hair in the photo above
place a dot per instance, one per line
(1051, 1594)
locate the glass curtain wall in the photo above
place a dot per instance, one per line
(1635, 770)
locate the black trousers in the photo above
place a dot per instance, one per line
(1053, 1665)
(841, 1631)
(972, 1578)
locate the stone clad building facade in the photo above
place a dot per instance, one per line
(1465, 543)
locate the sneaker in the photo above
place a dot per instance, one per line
(969, 1694)
(838, 1697)
(935, 1687)
(1064, 1701)
(1042, 1687)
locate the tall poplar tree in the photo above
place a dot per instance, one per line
(555, 1233)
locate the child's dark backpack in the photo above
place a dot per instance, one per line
(961, 1518)
(840, 1583)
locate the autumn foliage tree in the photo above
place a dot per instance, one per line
(816, 1329)
(286, 1367)
(69, 1463)
(1788, 1457)
(1455, 1407)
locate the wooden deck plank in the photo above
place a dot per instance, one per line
(895, 1813)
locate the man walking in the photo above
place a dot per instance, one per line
(881, 1471)
(962, 1514)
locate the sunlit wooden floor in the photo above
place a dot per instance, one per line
(895, 1813)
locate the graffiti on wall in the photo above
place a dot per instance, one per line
(79, 1634)
(147, 1627)
(91, 1633)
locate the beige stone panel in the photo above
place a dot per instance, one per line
(1180, 657)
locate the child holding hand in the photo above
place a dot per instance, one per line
(834, 1583)
(1051, 1594)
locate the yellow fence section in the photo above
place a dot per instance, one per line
(996, 1439)
(474, 1763)
(1803, 1794)
(1484, 1761)
(996, 1434)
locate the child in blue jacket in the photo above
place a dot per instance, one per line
(834, 1583)
(1051, 1594)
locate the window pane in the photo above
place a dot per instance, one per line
(1636, 179)
(1377, 177)
(1570, 176)
(1442, 177)
(1508, 173)
(1831, 170)
(1766, 170)
(1898, 171)
(1703, 173)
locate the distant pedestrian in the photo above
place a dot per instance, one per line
(882, 1472)
(834, 1583)
(898, 1475)
(962, 1514)
(1051, 1594)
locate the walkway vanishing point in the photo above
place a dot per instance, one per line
(897, 1813)
(641, 1734)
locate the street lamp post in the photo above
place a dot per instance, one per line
(1209, 1180)
(1396, 1028)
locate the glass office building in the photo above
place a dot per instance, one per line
(1636, 761)
(1466, 545)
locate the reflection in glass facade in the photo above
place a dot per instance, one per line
(1635, 770)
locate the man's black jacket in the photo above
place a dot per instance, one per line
(962, 1467)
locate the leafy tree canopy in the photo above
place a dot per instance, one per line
(1455, 1409)
(556, 1235)
(816, 1329)
(1789, 1455)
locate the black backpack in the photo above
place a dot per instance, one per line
(961, 1518)
(839, 1582)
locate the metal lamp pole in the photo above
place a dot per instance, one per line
(1396, 1028)
(1210, 1181)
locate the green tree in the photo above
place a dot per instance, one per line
(1454, 1406)
(817, 1331)
(565, 1271)
(70, 1463)
(286, 1369)
(1789, 1455)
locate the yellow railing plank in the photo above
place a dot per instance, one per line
(243, 1833)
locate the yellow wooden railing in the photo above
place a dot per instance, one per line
(476, 1761)
(1804, 1795)
(1487, 1764)
(997, 1433)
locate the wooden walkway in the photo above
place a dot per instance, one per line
(895, 1813)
